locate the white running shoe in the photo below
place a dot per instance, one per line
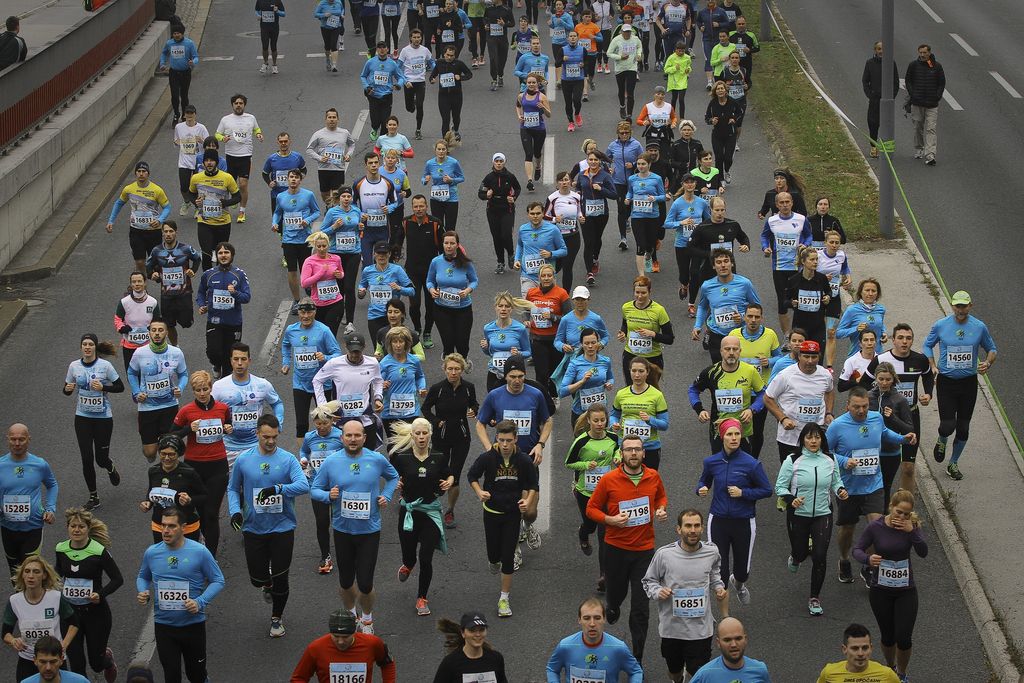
(263, 68)
(742, 592)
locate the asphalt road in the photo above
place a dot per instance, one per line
(555, 578)
(981, 60)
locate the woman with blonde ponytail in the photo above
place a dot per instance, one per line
(505, 336)
(425, 477)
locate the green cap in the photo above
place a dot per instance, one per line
(960, 298)
(342, 622)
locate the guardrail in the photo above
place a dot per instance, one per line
(34, 89)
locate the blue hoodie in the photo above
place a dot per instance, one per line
(178, 53)
(848, 439)
(622, 153)
(735, 469)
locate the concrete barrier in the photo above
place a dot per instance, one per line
(36, 174)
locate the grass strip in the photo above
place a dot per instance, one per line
(810, 137)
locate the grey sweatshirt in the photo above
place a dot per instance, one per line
(692, 576)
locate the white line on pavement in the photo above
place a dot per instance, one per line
(543, 522)
(1006, 86)
(951, 101)
(963, 43)
(930, 11)
(146, 643)
(357, 130)
(552, 92)
(314, 54)
(277, 326)
(549, 161)
(219, 59)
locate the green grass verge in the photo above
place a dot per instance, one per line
(811, 137)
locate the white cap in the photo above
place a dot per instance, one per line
(498, 155)
(626, 27)
(580, 292)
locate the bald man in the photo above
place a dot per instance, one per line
(22, 474)
(732, 666)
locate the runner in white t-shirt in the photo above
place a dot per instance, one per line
(236, 131)
(188, 136)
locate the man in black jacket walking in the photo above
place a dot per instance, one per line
(12, 46)
(872, 82)
(925, 81)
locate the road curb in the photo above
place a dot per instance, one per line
(993, 638)
(63, 245)
(11, 313)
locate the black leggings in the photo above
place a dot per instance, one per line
(814, 529)
(624, 571)
(20, 544)
(449, 104)
(369, 24)
(533, 143)
(890, 464)
(602, 47)
(269, 558)
(566, 263)
(501, 534)
(622, 209)
(177, 643)
(322, 516)
(330, 314)
(724, 145)
(214, 474)
(454, 325)
(209, 237)
(683, 264)
(956, 404)
(93, 435)
(572, 92)
(427, 536)
(588, 526)
(497, 52)
(446, 213)
(356, 557)
(500, 223)
(733, 536)
(593, 232)
(391, 31)
(645, 232)
(545, 359)
(626, 82)
(380, 109)
(478, 37)
(532, 11)
(420, 295)
(455, 453)
(330, 36)
(757, 436)
(268, 36)
(350, 265)
(219, 339)
(895, 611)
(302, 400)
(414, 97)
(679, 102)
(94, 624)
(179, 82)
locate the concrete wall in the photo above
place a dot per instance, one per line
(35, 175)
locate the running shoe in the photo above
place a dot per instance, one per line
(504, 608)
(793, 566)
(358, 31)
(601, 584)
(341, 44)
(655, 266)
(501, 81)
(919, 154)
(622, 113)
(334, 69)
(349, 328)
(326, 565)
(728, 178)
(939, 452)
(499, 269)
(294, 310)
(403, 573)
(586, 97)
(276, 628)
(709, 86)
(742, 592)
(954, 472)
(114, 476)
(327, 63)
(648, 265)
(585, 546)
(591, 280)
(579, 120)
(845, 572)
(469, 366)
(422, 608)
(622, 244)
(612, 615)
(494, 86)
(691, 310)
(735, 149)
(183, 211)
(517, 560)
(930, 161)
(374, 135)
(536, 172)
(449, 519)
(529, 186)
(366, 625)
(263, 68)
(682, 292)
(241, 216)
(597, 267)
(427, 342)
(274, 70)
(419, 135)
(865, 575)
(533, 539)
(494, 567)
(571, 128)
(814, 607)
(267, 597)
(92, 503)
(110, 670)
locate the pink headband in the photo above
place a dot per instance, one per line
(729, 422)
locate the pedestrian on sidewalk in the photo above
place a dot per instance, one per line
(872, 82)
(926, 81)
(13, 48)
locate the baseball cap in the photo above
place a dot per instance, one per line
(689, 178)
(653, 144)
(381, 248)
(627, 27)
(810, 347)
(306, 304)
(580, 292)
(515, 362)
(355, 341)
(473, 620)
(381, 43)
(960, 298)
(342, 622)
(142, 166)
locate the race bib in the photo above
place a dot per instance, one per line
(591, 397)
(162, 496)
(531, 119)
(381, 294)
(447, 80)
(522, 418)
(293, 220)
(537, 316)
(498, 359)
(591, 477)
(212, 207)
(867, 461)
(159, 386)
(141, 219)
(333, 21)
(644, 206)
(532, 264)
(171, 595)
(810, 409)
(689, 603)
(281, 177)
(523, 47)
(270, 504)
(433, 11)
(189, 148)
(390, 10)
(578, 675)
(222, 300)
(341, 672)
(568, 225)
(833, 283)
(355, 504)
(77, 591)
(486, 677)
(627, 50)
(636, 427)
(381, 78)
(177, 51)
(334, 156)
(497, 30)
(352, 405)
(328, 290)
(305, 358)
(17, 508)
(402, 405)
(90, 401)
(959, 357)
(574, 71)
(640, 345)
(906, 390)
(346, 242)
(244, 418)
(210, 431)
(638, 511)
(440, 193)
(729, 400)
(138, 336)
(808, 301)
(721, 245)
(268, 16)
(737, 92)
(894, 573)
(172, 277)
(685, 230)
(586, 43)
(643, 25)
(240, 135)
(659, 120)
(594, 207)
(447, 36)
(32, 631)
(724, 317)
(449, 297)
(558, 33)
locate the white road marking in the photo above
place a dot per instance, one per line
(930, 12)
(1006, 86)
(260, 57)
(146, 643)
(963, 43)
(218, 59)
(951, 101)
(543, 522)
(552, 92)
(357, 130)
(277, 326)
(548, 176)
(314, 54)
